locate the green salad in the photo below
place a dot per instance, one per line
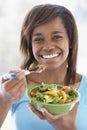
(54, 94)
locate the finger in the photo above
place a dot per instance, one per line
(51, 117)
(18, 95)
(17, 88)
(15, 93)
(20, 83)
(11, 83)
(14, 71)
(74, 110)
(5, 76)
(3, 79)
(39, 114)
(48, 115)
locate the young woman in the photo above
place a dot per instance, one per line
(49, 36)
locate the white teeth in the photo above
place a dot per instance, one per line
(50, 56)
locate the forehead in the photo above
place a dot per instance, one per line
(53, 25)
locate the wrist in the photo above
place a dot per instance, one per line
(4, 104)
(65, 126)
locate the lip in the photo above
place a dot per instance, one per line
(50, 56)
(51, 59)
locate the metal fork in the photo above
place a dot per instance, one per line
(39, 69)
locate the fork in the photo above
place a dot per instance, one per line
(39, 69)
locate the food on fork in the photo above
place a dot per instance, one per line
(35, 67)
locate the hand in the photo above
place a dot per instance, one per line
(59, 122)
(12, 90)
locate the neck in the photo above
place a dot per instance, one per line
(55, 75)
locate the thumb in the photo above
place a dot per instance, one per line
(74, 110)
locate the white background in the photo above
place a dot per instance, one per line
(12, 13)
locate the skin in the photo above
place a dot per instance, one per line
(51, 40)
(64, 121)
(50, 45)
(10, 92)
(48, 39)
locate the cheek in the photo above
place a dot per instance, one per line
(66, 51)
(35, 51)
(67, 54)
(66, 47)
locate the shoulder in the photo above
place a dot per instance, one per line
(84, 81)
(80, 82)
(81, 78)
(82, 87)
(77, 81)
(78, 78)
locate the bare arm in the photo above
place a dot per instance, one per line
(10, 92)
(3, 112)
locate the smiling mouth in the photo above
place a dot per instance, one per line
(50, 56)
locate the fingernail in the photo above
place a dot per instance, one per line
(28, 105)
(42, 110)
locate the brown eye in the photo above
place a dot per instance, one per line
(38, 40)
(57, 37)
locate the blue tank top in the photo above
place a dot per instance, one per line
(25, 119)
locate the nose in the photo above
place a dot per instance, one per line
(48, 46)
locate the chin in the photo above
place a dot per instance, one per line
(52, 67)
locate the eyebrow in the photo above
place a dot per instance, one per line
(55, 32)
(39, 34)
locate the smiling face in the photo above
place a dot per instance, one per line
(50, 43)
